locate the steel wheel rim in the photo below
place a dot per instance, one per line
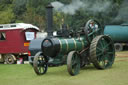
(40, 64)
(73, 63)
(102, 52)
(92, 33)
(106, 51)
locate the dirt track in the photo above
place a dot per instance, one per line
(122, 56)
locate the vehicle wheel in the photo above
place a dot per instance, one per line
(102, 52)
(1, 59)
(118, 47)
(40, 64)
(9, 59)
(92, 29)
(73, 63)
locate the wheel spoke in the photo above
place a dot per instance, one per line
(108, 45)
(40, 64)
(73, 63)
(99, 49)
(105, 61)
(109, 62)
(103, 56)
(110, 53)
(99, 54)
(110, 57)
(91, 33)
(101, 44)
(92, 29)
(39, 69)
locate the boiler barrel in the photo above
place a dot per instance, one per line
(54, 46)
(67, 45)
(119, 33)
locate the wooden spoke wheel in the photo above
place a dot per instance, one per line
(102, 52)
(92, 29)
(40, 64)
(73, 63)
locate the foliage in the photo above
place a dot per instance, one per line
(6, 16)
(33, 11)
(6, 12)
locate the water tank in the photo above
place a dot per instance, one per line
(119, 33)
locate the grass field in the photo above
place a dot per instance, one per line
(25, 75)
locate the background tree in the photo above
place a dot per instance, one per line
(33, 12)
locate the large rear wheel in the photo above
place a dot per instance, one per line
(102, 52)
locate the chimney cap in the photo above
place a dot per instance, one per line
(49, 6)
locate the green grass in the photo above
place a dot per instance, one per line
(25, 75)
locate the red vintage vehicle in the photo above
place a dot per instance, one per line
(14, 41)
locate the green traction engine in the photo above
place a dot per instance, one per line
(76, 49)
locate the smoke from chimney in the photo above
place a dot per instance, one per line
(87, 5)
(94, 7)
(123, 12)
(70, 8)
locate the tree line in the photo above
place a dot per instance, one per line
(34, 12)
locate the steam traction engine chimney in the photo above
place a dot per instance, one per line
(49, 20)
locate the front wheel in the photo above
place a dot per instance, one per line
(40, 64)
(73, 63)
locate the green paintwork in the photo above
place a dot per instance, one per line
(74, 63)
(105, 53)
(67, 45)
(70, 44)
